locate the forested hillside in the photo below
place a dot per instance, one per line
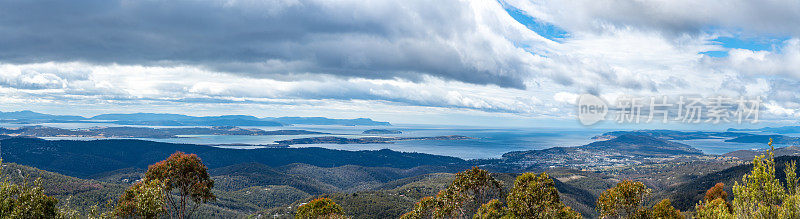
(87, 158)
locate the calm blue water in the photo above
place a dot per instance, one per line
(488, 142)
(718, 146)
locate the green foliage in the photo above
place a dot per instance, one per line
(535, 196)
(470, 189)
(715, 204)
(422, 209)
(790, 207)
(144, 199)
(664, 210)
(791, 178)
(760, 194)
(319, 208)
(714, 209)
(185, 173)
(491, 210)
(625, 200)
(25, 200)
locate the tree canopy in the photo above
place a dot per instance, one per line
(182, 175)
(625, 200)
(533, 196)
(320, 208)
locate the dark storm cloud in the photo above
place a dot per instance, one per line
(279, 38)
(676, 17)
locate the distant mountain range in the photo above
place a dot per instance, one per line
(143, 132)
(30, 115)
(163, 119)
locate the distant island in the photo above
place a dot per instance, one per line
(672, 134)
(165, 119)
(731, 135)
(143, 132)
(381, 131)
(776, 139)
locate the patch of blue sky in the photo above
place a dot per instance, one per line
(544, 29)
(751, 43)
(754, 43)
(715, 53)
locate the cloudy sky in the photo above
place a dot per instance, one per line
(513, 62)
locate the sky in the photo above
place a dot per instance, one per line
(478, 62)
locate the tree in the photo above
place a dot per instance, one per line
(760, 194)
(535, 196)
(461, 198)
(422, 209)
(715, 209)
(715, 192)
(319, 208)
(714, 204)
(791, 203)
(491, 210)
(665, 210)
(625, 200)
(25, 200)
(469, 190)
(187, 174)
(145, 199)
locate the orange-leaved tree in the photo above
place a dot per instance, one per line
(183, 180)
